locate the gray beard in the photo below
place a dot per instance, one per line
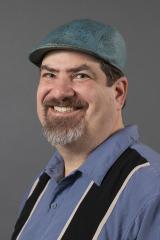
(63, 131)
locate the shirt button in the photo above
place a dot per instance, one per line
(53, 205)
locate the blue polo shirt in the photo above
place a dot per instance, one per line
(136, 214)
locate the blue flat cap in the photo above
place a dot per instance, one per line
(87, 36)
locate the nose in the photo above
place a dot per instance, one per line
(62, 88)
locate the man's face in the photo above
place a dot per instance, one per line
(73, 99)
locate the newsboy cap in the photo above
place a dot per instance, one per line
(87, 36)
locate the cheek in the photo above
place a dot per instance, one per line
(42, 91)
(86, 91)
(101, 103)
(40, 96)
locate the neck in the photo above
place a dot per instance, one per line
(74, 154)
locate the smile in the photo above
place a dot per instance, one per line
(63, 109)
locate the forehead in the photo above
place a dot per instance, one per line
(68, 56)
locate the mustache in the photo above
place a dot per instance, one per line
(73, 102)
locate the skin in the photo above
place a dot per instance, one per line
(74, 74)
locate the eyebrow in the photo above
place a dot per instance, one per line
(70, 70)
(46, 67)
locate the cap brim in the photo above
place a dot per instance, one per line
(37, 55)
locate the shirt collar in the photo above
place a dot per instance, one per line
(55, 167)
(101, 158)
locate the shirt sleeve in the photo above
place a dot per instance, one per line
(146, 226)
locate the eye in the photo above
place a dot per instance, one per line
(82, 76)
(48, 75)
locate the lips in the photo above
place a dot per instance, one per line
(63, 109)
(69, 105)
(66, 111)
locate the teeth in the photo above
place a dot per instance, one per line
(63, 109)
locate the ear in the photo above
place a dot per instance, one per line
(121, 89)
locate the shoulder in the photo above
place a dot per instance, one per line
(146, 181)
(140, 200)
(152, 157)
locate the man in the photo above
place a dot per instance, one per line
(101, 183)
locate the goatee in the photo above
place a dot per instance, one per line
(66, 129)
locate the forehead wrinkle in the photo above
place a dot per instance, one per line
(69, 70)
(48, 68)
(79, 68)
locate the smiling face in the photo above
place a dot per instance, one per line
(74, 101)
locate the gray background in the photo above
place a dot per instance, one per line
(23, 150)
